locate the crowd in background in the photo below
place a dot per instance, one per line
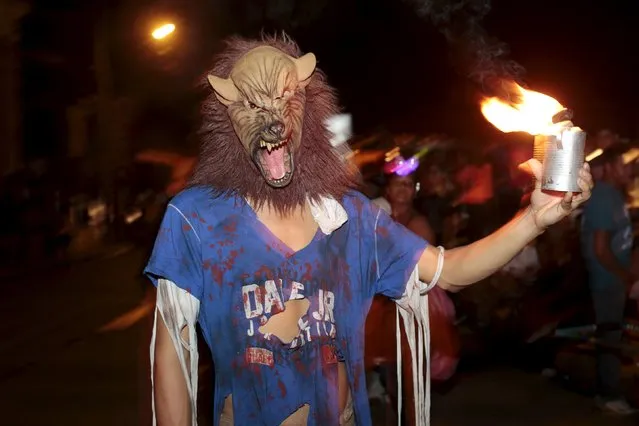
(454, 198)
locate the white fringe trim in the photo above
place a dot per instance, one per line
(178, 309)
(413, 308)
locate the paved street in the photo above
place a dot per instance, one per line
(512, 398)
(74, 340)
(56, 367)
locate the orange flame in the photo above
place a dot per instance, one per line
(531, 113)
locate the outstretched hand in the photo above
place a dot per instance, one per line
(549, 208)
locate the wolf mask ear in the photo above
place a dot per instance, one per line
(305, 66)
(225, 89)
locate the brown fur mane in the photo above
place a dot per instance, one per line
(226, 167)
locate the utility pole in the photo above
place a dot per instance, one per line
(104, 99)
(111, 149)
(11, 12)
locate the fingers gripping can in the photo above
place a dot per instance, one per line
(562, 156)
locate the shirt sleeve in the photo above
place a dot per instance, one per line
(396, 251)
(598, 213)
(177, 253)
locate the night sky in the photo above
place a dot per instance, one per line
(392, 68)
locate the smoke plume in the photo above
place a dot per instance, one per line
(480, 57)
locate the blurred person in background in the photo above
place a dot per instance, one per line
(475, 180)
(400, 193)
(606, 138)
(607, 238)
(436, 198)
(455, 232)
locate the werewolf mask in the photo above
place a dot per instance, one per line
(264, 134)
(265, 97)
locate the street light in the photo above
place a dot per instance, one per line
(163, 31)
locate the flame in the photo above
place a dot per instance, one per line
(531, 113)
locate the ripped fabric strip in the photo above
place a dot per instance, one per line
(414, 308)
(179, 310)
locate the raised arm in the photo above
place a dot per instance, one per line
(468, 264)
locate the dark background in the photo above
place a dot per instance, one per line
(391, 67)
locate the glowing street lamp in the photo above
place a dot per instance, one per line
(163, 31)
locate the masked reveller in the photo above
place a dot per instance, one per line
(277, 256)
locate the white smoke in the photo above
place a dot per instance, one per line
(480, 57)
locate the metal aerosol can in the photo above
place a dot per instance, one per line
(562, 156)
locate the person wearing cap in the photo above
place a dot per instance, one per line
(607, 238)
